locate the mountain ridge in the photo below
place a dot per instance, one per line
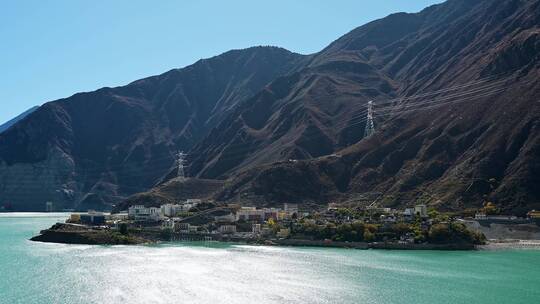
(96, 147)
(17, 118)
(459, 49)
(454, 89)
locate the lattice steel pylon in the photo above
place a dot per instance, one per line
(180, 160)
(370, 126)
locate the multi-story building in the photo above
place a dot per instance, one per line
(193, 201)
(250, 214)
(271, 213)
(227, 229)
(421, 210)
(172, 210)
(92, 218)
(408, 212)
(183, 227)
(121, 216)
(256, 228)
(142, 213)
(168, 224)
(290, 208)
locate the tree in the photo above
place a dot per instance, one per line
(369, 236)
(490, 208)
(123, 228)
(454, 233)
(401, 229)
(166, 233)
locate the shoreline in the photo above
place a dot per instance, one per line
(107, 237)
(510, 244)
(101, 237)
(89, 235)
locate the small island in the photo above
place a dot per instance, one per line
(334, 226)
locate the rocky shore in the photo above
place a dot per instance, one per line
(375, 245)
(77, 234)
(510, 244)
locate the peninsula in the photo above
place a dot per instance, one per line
(416, 227)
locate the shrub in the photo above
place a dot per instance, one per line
(123, 229)
(454, 233)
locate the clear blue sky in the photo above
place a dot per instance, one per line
(53, 49)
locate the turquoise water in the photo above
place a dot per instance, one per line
(219, 273)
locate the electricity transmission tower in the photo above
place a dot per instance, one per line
(180, 160)
(370, 126)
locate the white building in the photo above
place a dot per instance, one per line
(155, 213)
(171, 210)
(168, 210)
(256, 228)
(250, 214)
(290, 208)
(168, 224)
(420, 210)
(258, 215)
(142, 213)
(227, 229)
(193, 201)
(136, 211)
(121, 216)
(183, 227)
(408, 212)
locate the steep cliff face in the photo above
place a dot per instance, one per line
(93, 148)
(457, 126)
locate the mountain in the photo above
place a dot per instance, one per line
(474, 138)
(19, 117)
(93, 149)
(454, 91)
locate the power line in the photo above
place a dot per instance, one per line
(487, 89)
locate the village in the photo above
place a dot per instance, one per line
(197, 220)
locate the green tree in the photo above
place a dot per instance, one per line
(490, 208)
(123, 228)
(369, 236)
(454, 233)
(166, 233)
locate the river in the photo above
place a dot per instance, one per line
(43, 273)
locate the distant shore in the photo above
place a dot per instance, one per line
(374, 245)
(510, 244)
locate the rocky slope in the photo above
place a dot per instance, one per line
(476, 139)
(456, 110)
(92, 149)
